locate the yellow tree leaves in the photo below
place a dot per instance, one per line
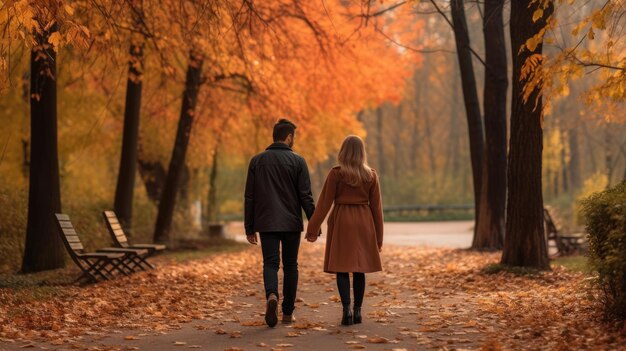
(537, 15)
(23, 19)
(592, 51)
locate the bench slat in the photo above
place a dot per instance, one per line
(64, 224)
(110, 214)
(76, 246)
(72, 239)
(69, 231)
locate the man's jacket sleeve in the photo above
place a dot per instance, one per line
(304, 190)
(249, 200)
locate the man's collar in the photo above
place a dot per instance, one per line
(278, 145)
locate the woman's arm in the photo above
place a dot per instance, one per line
(376, 205)
(324, 202)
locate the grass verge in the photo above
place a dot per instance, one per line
(521, 271)
(574, 263)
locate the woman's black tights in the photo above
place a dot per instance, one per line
(343, 284)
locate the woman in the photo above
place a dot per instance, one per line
(355, 226)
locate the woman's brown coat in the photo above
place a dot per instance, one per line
(355, 225)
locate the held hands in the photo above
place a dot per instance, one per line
(312, 238)
(252, 238)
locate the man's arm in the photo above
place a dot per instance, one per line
(304, 190)
(249, 200)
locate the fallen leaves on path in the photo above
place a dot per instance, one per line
(158, 300)
(256, 323)
(428, 297)
(377, 340)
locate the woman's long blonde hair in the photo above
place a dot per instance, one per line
(353, 161)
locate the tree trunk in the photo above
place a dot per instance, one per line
(123, 204)
(608, 153)
(574, 162)
(624, 154)
(555, 184)
(44, 248)
(470, 98)
(25, 157)
(417, 115)
(414, 145)
(590, 150)
(454, 129)
(212, 208)
(490, 233)
(380, 141)
(398, 142)
(432, 159)
(623, 150)
(525, 242)
(183, 187)
(177, 161)
(564, 173)
(153, 175)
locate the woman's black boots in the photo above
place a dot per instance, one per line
(346, 319)
(356, 317)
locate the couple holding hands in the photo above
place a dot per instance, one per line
(278, 187)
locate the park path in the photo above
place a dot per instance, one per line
(449, 234)
(426, 299)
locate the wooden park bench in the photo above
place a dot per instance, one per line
(566, 244)
(95, 266)
(120, 240)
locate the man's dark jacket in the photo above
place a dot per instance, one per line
(278, 185)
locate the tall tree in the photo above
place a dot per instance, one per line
(153, 175)
(212, 207)
(470, 98)
(574, 164)
(177, 161)
(525, 243)
(43, 249)
(123, 204)
(490, 234)
(380, 141)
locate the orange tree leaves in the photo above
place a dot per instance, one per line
(307, 62)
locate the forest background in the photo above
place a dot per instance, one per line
(388, 73)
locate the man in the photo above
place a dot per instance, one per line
(278, 186)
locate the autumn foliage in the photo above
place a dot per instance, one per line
(385, 71)
(588, 45)
(317, 65)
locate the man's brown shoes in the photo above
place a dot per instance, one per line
(271, 311)
(288, 318)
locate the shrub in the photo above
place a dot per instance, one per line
(594, 184)
(605, 219)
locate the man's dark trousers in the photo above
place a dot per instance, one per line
(270, 245)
